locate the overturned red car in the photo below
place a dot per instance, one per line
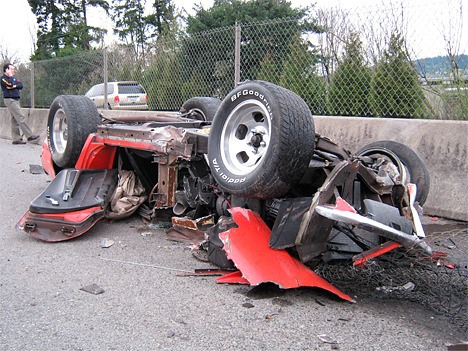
(273, 198)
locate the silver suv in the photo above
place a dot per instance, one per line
(120, 96)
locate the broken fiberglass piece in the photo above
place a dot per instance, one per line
(189, 230)
(75, 190)
(52, 227)
(195, 224)
(288, 221)
(233, 278)
(72, 203)
(247, 246)
(216, 254)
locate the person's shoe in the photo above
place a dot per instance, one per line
(33, 138)
(16, 142)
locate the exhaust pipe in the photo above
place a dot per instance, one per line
(180, 203)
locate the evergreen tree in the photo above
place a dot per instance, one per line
(269, 70)
(129, 19)
(162, 17)
(51, 19)
(350, 85)
(63, 27)
(136, 29)
(395, 88)
(299, 75)
(92, 33)
(166, 84)
(276, 26)
(225, 13)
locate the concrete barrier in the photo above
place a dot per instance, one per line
(443, 145)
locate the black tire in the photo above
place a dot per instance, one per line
(261, 140)
(202, 108)
(71, 119)
(418, 173)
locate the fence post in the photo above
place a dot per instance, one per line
(237, 53)
(106, 77)
(32, 88)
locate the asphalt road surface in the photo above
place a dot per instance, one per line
(147, 306)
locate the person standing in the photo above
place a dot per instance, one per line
(11, 95)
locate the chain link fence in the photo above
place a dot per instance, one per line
(345, 63)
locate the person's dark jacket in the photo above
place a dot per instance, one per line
(10, 82)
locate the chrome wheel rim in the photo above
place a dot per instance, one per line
(245, 137)
(60, 131)
(393, 158)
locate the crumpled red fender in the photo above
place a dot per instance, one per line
(248, 247)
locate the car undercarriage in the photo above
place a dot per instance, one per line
(249, 172)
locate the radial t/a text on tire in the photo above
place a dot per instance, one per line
(261, 141)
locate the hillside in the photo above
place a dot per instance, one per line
(438, 67)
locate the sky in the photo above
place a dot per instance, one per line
(18, 27)
(431, 20)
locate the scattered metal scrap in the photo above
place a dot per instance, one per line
(35, 169)
(93, 289)
(327, 339)
(189, 230)
(106, 243)
(205, 272)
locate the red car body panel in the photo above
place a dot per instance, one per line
(53, 227)
(248, 247)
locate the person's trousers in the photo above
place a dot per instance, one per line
(17, 120)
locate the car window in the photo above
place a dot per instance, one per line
(131, 89)
(99, 89)
(92, 92)
(110, 88)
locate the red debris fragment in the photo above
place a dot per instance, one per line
(342, 205)
(362, 259)
(247, 246)
(232, 278)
